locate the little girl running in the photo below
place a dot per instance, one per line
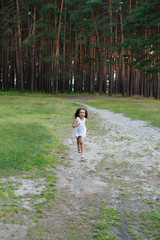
(80, 128)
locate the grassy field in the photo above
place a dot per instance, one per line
(29, 127)
(30, 124)
(32, 131)
(136, 107)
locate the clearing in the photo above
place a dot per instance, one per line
(114, 193)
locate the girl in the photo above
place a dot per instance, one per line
(79, 128)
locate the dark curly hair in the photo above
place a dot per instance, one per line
(78, 111)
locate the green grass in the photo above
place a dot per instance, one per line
(29, 124)
(107, 220)
(136, 108)
(147, 223)
(31, 127)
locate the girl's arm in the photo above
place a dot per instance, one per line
(74, 123)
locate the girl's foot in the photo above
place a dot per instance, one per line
(79, 150)
(82, 156)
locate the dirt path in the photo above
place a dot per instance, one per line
(121, 168)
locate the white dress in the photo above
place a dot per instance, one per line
(81, 129)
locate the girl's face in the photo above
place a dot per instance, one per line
(82, 113)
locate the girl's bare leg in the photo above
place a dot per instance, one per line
(82, 146)
(78, 144)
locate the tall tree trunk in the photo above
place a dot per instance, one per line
(116, 54)
(12, 70)
(64, 55)
(76, 62)
(33, 52)
(20, 49)
(128, 62)
(111, 52)
(4, 70)
(157, 91)
(57, 46)
(100, 71)
(4, 61)
(91, 64)
(122, 51)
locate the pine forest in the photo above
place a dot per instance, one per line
(105, 46)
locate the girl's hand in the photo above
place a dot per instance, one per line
(87, 130)
(74, 123)
(74, 126)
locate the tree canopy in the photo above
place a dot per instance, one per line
(82, 46)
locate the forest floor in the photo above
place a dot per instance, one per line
(114, 193)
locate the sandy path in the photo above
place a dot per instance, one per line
(120, 139)
(121, 154)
